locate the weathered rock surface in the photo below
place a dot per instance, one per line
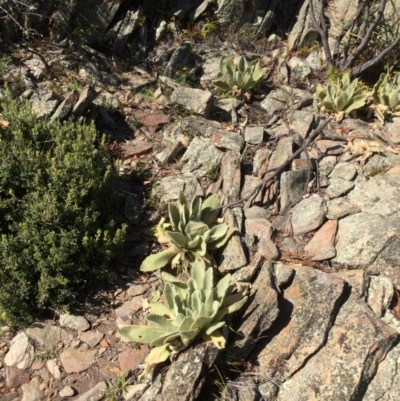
(76, 360)
(183, 380)
(195, 100)
(21, 353)
(342, 369)
(261, 312)
(308, 215)
(361, 237)
(308, 308)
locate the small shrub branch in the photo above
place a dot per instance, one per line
(363, 25)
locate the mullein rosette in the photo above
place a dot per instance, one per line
(190, 234)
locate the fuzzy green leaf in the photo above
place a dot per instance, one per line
(166, 338)
(174, 216)
(242, 64)
(160, 309)
(182, 199)
(207, 214)
(222, 287)
(224, 86)
(161, 321)
(141, 334)
(197, 273)
(158, 355)
(208, 282)
(201, 323)
(216, 338)
(169, 295)
(177, 239)
(218, 232)
(356, 103)
(229, 309)
(213, 327)
(196, 227)
(158, 260)
(195, 208)
(221, 241)
(167, 277)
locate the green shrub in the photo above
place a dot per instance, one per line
(57, 233)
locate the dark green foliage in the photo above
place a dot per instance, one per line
(56, 226)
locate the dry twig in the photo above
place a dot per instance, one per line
(274, 172)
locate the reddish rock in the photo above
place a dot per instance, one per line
(130, 358)
(259, 227)
(394, 170)
(322, 245)
(135, 148)
(76, 360)
(92, 338)
(37, 365)
(129, 307)
(262, 229)
(153, 121)
(16, 377)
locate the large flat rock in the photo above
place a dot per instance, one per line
(342, 368)
(308, 309)
(379, 195)
(361, 237)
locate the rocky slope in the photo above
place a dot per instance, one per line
(319, 241)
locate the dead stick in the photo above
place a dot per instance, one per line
(277, 170)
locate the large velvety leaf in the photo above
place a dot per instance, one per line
(157, 261)
(222, 287)
(161, 321)
(221, 241)
(141, 334)
(196, 227)
(158, 355)
(160, 309)
(195, 208)
(174, 216)
(177, 239)
(218, 232)
(356, 103)
(213, 327)
(197, 272)
(222, 85)
(165, 338)
(166, 277)
(207, 214)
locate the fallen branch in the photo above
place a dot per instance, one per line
(273, 172)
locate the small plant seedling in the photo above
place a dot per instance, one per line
(340, 97)
(240, 78)
(212, 172)
(117, 387)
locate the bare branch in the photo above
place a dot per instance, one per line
(323, 33)
(376, 60)
(349, 62)
(349, 27)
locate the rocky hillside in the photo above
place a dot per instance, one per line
(315, 202)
